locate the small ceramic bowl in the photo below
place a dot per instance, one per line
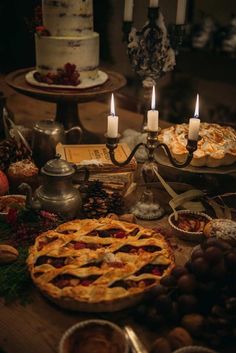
(10, 201)
(194, 349)
(84, 336)
(189, 220)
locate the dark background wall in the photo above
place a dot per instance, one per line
(209, 72)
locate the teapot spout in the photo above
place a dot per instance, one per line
(30, 202)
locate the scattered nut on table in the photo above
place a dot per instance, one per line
(8, 254)
(179, 337)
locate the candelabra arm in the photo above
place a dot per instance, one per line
(112, 148)
(190, 148)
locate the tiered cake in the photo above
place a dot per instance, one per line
(67, 48)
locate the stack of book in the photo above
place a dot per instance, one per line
(97, 160)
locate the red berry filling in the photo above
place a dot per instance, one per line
(44, 242)
(156, 270)
(57, 262)
(68, 280)
(133, 284)
(120, 235)
(130, 249)
(78, 245)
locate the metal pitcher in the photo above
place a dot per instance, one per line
(46, 135)
(56, 193)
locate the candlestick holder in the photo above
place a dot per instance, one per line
(147, 207)
(152, 50)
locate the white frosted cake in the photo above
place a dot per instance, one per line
(67, 48)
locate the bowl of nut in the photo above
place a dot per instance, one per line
(189, 225)
(11, 201)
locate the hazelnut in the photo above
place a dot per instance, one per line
(179, 337)
(128, 217)
(113, 216)
(193, 323)
(161, 345)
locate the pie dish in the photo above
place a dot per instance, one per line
(216, 147)
(189, 225)
(94, 336)
(99, 265)
(11, 201)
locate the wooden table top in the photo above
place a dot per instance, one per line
(38, 326)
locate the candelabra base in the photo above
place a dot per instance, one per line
(146, 208)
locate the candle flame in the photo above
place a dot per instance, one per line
(153, 105)
(196, 113)
(113, 112)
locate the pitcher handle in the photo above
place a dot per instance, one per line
(78, 128)
(79, 168)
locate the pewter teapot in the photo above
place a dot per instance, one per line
(57, 193)
(46, 135)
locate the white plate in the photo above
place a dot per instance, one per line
(162, 158)
(86, 83)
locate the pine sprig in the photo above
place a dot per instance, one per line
(19, 229)
(15, 279)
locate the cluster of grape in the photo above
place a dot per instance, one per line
(200, 296)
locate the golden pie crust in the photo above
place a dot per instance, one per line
(99, 265)
(217, 146)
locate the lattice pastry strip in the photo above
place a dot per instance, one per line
(97, 260)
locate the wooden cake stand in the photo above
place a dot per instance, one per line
(66, 100)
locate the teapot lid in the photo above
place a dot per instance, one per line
(57, 167)
(48, 126)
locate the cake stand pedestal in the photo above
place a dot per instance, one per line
(67, 100)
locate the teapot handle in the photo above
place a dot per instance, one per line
(75, 128)
(79, 168)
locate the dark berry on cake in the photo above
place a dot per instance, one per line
(67, 76)
(42, 31)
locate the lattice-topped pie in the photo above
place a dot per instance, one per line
(216, 147)
(99, 265)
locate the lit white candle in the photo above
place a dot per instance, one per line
(153, 115)
(128, 11)
(194, 123)
(153, 3)
(181, 11)
(112, 120)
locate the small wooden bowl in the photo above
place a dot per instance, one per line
(192, 236)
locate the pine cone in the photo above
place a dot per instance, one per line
(98, 203)
(115, 203)
(93, 188)
(10, 152)
(95, 207)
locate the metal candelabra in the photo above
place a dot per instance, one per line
(152, 49)
(146, 207)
